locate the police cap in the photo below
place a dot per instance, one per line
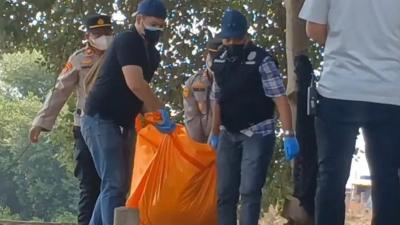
(95, 21)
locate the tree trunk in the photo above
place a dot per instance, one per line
(296, 44)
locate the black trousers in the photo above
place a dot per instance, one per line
(337, 125)
(89, 181)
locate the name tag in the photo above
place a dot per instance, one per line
(219, 60)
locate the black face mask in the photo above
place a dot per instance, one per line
(235, 50)
(152, 36)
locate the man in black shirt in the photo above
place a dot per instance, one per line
(120, 92)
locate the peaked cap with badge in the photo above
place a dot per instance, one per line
(96, 21)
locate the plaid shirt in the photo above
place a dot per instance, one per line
(273, 87)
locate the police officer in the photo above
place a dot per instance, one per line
(196, 97)
(71, 78)
(247, 87)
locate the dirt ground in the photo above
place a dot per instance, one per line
(355, 215)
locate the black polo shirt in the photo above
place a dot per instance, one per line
(110, 97)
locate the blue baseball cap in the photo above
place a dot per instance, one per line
(234, 24)
(155, 8)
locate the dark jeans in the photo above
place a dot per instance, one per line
(337, 125)
(112, 150)
(89, 181)
(242, 164)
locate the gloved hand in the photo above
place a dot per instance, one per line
(291, 147)
(166, 125)
(214, 140)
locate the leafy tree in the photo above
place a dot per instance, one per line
(5, 213)
(41, 186)
(51, 26)
(25, 72)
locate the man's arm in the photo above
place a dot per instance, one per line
(317, 32)
(274, 88)
(138, 85)
(215, 108)
(285, 115)
(46, 117)
(316, 12)
(216, 118)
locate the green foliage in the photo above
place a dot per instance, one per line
(51, 26)
(65, 217)
(39, 186)
(5, 213)
(25, 72)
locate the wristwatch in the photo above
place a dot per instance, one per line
(288, 133)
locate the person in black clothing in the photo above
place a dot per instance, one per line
(247, 89)
(120, 92)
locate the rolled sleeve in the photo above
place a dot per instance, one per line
(315, 11)
(271, 77)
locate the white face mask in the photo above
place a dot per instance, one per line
(102, 42)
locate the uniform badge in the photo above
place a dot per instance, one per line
(252, 55)
(68, 67)
(100, 21)
(186, 92)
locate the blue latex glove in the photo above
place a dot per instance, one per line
(291, 147)
(166, 125)
(214, 140)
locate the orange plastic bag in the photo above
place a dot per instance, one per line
(174, 179)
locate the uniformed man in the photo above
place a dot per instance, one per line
(196, 97)
(72, 77)
(247, 87)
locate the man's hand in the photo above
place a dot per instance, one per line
(291, 147)
(34, 134)
(166, 125)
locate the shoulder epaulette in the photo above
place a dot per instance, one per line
(82, 50)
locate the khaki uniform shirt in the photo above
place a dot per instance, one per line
(71, 78)
(196, 104)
